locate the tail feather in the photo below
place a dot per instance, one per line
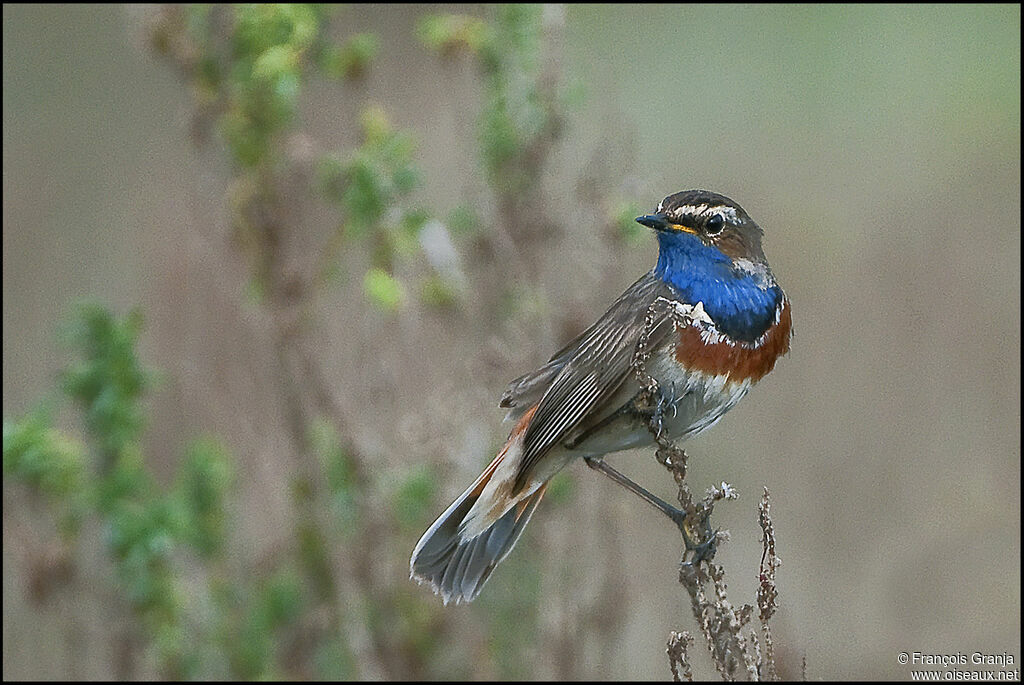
(455, 563)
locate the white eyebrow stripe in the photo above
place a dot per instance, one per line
(699, 210)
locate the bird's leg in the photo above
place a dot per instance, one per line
(700, 542)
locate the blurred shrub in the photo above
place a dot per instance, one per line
(164, 541)
(322, 605)
(522, 110)
(108, 478)
(247, 65)
(50, 462)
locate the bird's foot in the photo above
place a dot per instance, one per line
(654, 404)
(700, 539)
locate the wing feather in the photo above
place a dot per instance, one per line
(582, 377)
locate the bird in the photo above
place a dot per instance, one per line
(677, 350)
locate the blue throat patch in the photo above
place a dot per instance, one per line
(735, 300)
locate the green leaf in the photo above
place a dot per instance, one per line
(383, 290)
(449, 33)
(623, 218)
(353, 58)
(206, 477)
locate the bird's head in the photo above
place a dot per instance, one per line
(701, 225)
(710, 252)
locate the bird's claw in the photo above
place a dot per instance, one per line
(703, 543)
(656, 403)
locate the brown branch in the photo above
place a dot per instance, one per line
(767, 595)
(722, 625)
(678, 658)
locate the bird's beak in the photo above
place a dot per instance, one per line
(660, 222)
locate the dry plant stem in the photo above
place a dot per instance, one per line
(678, 657)
(668, 454)
(304, 395)
(721, 624)
(767, 595)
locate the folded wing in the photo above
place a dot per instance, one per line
(577, 385)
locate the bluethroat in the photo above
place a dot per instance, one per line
(693, 334)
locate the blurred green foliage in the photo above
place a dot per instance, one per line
(623, 218)
(261, 79)
(413, 498)
(339, 474)
(513, 626)
(108, 381)
(519, 110)
(108, 477)
(438, 292)
(48, 461)
(369, 187)
(463, 220)
(560, 489)
(450, 33)
(352, 59)
(206, 610)
(156, 537)
(206, 474)
(383, 290)
(247, 65)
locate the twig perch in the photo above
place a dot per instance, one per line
(733, 648)
(721, 624)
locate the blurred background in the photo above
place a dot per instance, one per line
(316, 244)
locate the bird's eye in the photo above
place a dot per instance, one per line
(715, 224)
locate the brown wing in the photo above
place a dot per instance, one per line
(583, 376)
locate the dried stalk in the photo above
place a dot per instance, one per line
(722, 625)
